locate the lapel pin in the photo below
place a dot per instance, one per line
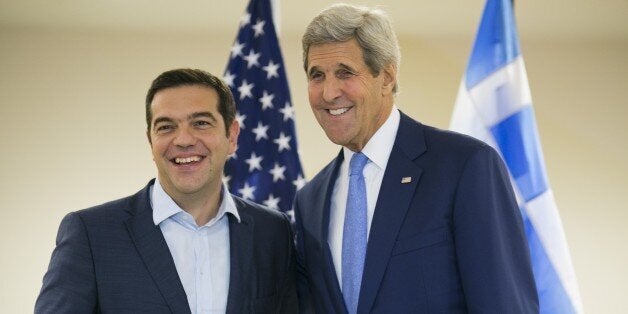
(406, 179)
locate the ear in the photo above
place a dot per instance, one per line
(234, 132)
(150, 142)
(390, 79)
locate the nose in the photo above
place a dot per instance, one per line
(331, 90)
(184, 137)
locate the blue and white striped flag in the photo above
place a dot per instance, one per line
(266, 167)
(495, 106)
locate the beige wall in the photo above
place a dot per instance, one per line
(72, 134)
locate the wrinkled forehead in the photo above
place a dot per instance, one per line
(335, 54)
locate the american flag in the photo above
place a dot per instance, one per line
(266, 167)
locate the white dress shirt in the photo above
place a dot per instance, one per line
(201, 254)
(378, 151)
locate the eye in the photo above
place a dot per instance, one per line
(343, 74)
(316, 76)
(163, 128)
(202, 124)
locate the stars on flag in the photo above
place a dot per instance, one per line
(271, 70)
(228, 78)
(299, 182)
(254, 162)
(287, 111)
(259, 28)
(283, 141)
(240, 118)
(247, 191)
(236, 49)
(277, 172)
(252, 59)
(272, 201)
(260, 131)
(245, 20)
(266, 167)
(245, 89)
(267, 100)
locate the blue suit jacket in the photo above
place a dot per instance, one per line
(113, 259)
(449, 241)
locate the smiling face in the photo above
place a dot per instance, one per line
(349, 102)
(189, 141)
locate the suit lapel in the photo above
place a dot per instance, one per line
(153, 249)
(323, 212)
(395, 196)
(241, 255)
(315, 217)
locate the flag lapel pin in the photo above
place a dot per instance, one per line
(406, 179)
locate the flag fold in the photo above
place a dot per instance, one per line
(494, 105)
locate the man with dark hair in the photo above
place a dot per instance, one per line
(183, 244)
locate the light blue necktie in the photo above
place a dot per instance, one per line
(354, 234)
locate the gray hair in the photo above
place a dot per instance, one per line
(370, 27)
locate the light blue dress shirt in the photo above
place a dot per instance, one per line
(201, 254)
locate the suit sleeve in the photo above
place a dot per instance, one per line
(69, 285)
(303, 286)
(289, 303)
(492, 251)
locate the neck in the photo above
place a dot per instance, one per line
(379, 121)
(203, 206)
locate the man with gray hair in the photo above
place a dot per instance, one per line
(407, 218)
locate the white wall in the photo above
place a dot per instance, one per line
(72, 134)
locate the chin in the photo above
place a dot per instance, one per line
(337, 138)
(187, 188)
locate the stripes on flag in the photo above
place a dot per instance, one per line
(494, 105)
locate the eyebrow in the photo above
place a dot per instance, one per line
(346, 67)
(340, 65)
(192, 116)
(160, 120)
(312, 70)
(202, 114)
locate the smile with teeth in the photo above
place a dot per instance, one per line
(337, 112)
(187, 160)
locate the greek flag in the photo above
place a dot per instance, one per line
(266, 167)
(495, 106)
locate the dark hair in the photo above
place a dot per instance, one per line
(184, 77)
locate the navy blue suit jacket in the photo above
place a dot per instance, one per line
(113, 259)
(449, 241)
